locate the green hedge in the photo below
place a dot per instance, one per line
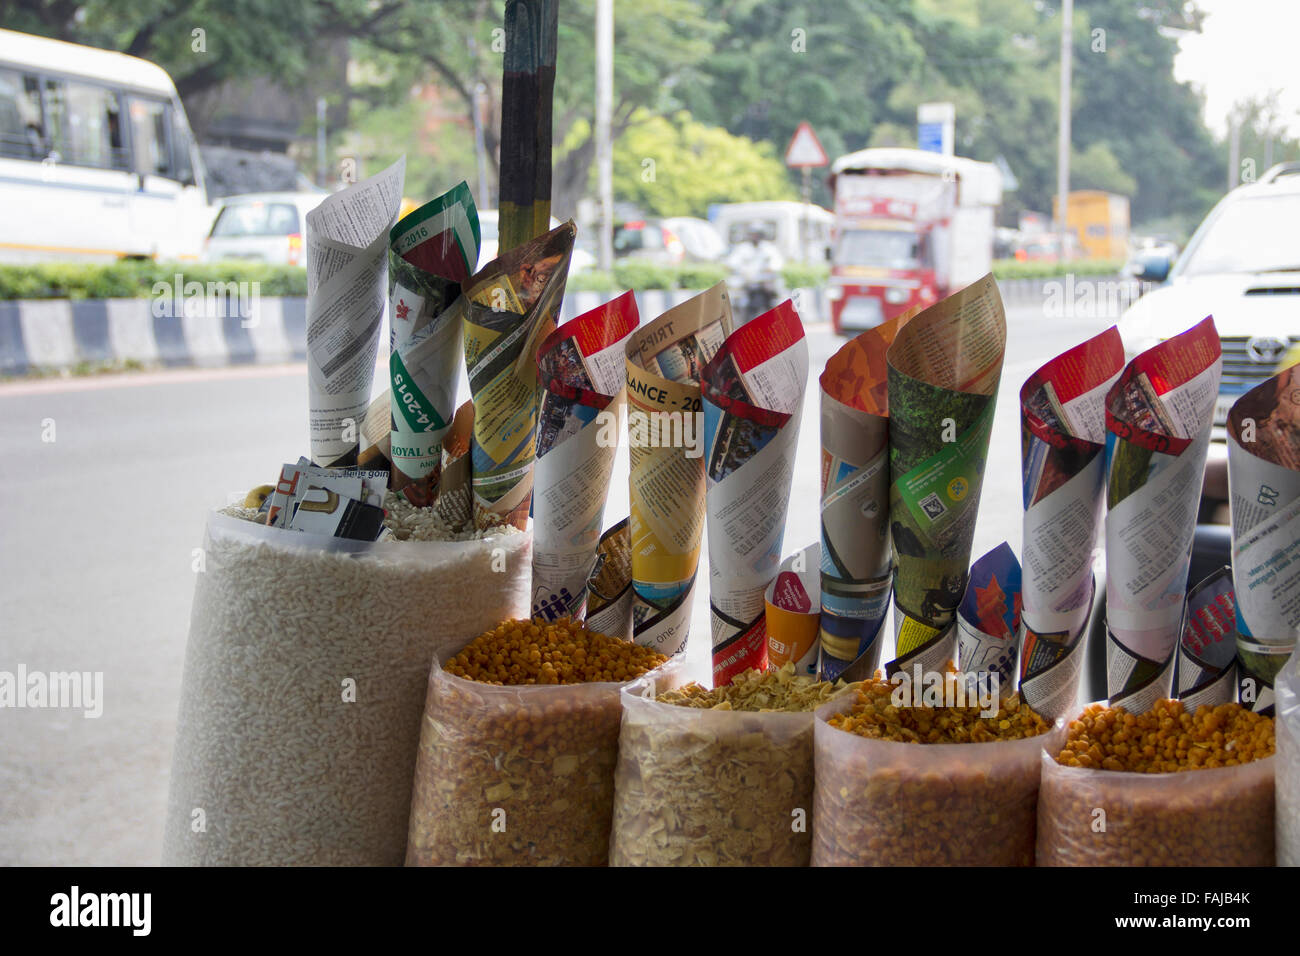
(1015, 269)
(801, 275)
(136, 280)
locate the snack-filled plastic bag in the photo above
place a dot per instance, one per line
(1221, 816)
(898, 803)
(1288, 763)
(304, 677)
(704, 787)
(518, 775)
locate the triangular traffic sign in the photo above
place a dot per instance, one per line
(805, 149)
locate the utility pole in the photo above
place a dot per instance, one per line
(1063, 140)
(527, 102)
(322, 167)
(1234, 149)
(476, 107)
(604, 131)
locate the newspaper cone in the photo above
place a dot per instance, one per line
(1158, 420)
(347, 287)
(856, 557)
(455, 501)
(664, 362)
(609, 604)
(753, 395)
(510, 308)
(944, 368)
(791, 610)
(431, 252)
(1264, 488)
(581, 366)
(1063, 477)
(988, 619)
(1207, 649)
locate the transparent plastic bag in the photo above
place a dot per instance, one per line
(304, 677)
(514, 775)
(893, 803)
(710, 787)
(1222, 816)
(1288, 762)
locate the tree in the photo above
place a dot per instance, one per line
(676, 166)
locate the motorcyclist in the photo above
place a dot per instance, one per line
(756, 265)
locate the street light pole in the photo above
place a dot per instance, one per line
(1063, 140)
(604, 132)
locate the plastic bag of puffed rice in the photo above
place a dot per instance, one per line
(516, 775)
(1287, 710)
(896, 803)
(304, 677)
(704, 787)
(1222, 816)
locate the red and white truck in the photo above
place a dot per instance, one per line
(910, 228)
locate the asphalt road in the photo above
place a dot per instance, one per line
(104, 488)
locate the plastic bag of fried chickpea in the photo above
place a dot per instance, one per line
(517, 775)
(1287, 688)
(1218, 816)
(707, 780)
(882, 802)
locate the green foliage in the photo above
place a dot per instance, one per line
(1097, 168)
(799, 275)
(1015, 269)
(677, 167)
(136, 280)
(639, 274)
(700, 275)
(593, 280)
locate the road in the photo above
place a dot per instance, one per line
(104, 489)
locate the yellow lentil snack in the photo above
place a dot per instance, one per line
(1167, 739)
(518, 747)
(874, 715)
(1116, 794)
(562, 652)
(926, 786)
(719, 777)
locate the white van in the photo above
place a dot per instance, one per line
(801, 232)
(97, 161)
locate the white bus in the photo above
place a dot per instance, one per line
(97, 161)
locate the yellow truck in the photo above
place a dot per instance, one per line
(1100, 220)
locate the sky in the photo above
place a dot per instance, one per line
(1247, 47)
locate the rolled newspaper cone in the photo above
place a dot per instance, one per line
(347, 287)
(1264, 495)
(1207, 669)
(856, 557)
(581, 368)
(792, 605)
(431, 251)
(988, 620)
(665, 448)
(510, 308)
(1063, 476)
(752, 393)
(1158, 415)
(944, 368)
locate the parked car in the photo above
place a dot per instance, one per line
(262, 227)
(1242, 265)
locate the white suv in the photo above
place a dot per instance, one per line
(1242, 265)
